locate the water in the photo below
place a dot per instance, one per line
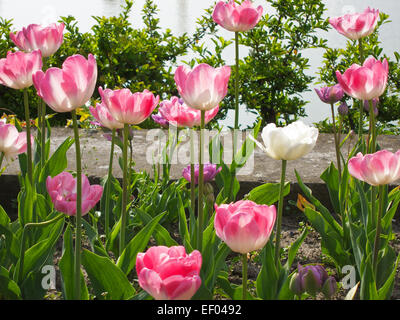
(180, 16)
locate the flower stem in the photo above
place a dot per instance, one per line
(244, 276)
(201, 183)
(124, 189)
(78, 233)
(107, 213)
(360, 128)
(236, 81)
(372, 144)
(378, 229)
(1, 161)
(43, 134)
(336, 142)
(28, 135)
(279, 218)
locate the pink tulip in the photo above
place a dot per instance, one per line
(62, 191)
(379, 168)
(16, 70)
(176, 112)
(36, 37)
(204, 87)
(12, 142)
(104, 117)
(68, 88)
(129, 108)
(357, 25)
(244, 225)
(169, 273)
(234, 17)
(365, 82)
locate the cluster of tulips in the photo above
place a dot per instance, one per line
(244, 226)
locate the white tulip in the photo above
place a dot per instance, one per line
(288, 143)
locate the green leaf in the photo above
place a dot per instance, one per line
(126, 262)
(9, 290)
(4, 218)
(26, 200)
(267, 279)
(268, 193)
(294, 248)
(161, 235)
(108, 281)
(36, 255)
(385, 292)
(66, 266)
(234, 291)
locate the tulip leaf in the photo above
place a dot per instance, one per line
(234, 291)
(161, 235)
(385, 291)
(36, 255)
(294, 248)
(331, 178)
(267, 279)
(9, 290)
(108, 281)
(268, 193)
(4, 218)
(126, 262)
(26, 200)
(66, 265)
(9, 247)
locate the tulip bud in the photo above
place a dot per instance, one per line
(330, 94)
(295, 285)
(343, 109)
(329, 288)
(312, 282)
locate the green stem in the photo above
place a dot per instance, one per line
(124, 189)
(337, 148)
(361, 50)
(43, 134)
(201, 183)
(244, 276)
(1, 160)
(23, 238)
(372, 144)
(236, 81)
(78, 233)
(107, 213)
(192, 174)
(28, 135)
(279, 218)
(378, 228)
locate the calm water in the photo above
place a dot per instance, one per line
(180, 16)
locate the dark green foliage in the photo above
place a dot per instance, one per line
(341, 59)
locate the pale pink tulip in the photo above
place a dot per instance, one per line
(68, 88)
(365, 82)
(127, 107)
(357, 25)
(244, 225)
(36, 37)
(16, 70)
(104, 117)
(169, 273)
(62, 191)
(177, 113)
(12, 142)
(379, 168)
(234, 17)
(204, 87)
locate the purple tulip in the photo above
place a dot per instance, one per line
(343, 109)
(375, 103)
(330, 94)
(312, 279)
(160, 120)
(210, 171)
